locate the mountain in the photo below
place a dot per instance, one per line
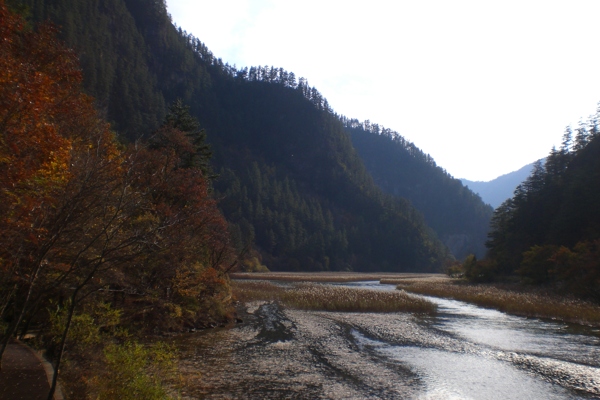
(496, 191)
(459, 217)
(292, 185)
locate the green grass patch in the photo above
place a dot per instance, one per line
(136, 371)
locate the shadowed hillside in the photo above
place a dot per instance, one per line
(459, 217)
(292, 186)
(496, 191)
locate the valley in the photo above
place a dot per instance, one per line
(175, 226)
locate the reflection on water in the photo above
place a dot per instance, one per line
(510, 333)
(566, 354)
(467, 376)
(464, 352)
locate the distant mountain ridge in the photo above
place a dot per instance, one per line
(496, 191)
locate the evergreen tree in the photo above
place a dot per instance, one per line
(553, 211)
(179, 118)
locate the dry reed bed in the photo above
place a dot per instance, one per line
(330, 276)
(318, 297)
(513, 302)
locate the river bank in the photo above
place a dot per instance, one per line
(522, 300)
(528, 301)
(462, 352)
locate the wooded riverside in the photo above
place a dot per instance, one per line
(138, 170)
(549, 231)
(97, 236)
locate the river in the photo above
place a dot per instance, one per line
(463, 352)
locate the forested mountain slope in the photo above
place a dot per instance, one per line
(549, 231)
(459, 216)
(496, 191)
(290, 180)
(113, 55)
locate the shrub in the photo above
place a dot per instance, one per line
(88, 326)
(578, 270)
(454, 269)
(478, 271)
(136, 371)
(536, 264)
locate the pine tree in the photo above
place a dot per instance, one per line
(179, 118)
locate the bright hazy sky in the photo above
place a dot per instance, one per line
(483, 86)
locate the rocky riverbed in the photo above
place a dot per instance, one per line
(285, 353)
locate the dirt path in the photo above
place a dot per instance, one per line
(23, 375)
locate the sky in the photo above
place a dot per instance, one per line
(484, 86)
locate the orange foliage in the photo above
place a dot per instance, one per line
(197, 282)
(38, 95)
(194, 229)
(43, 115)
(77, 210)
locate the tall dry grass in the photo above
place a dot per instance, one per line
(318, 297)
(525, 303)
(332, 276)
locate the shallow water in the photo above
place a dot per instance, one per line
(464, 352)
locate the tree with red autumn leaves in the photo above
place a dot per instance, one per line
(82, 215)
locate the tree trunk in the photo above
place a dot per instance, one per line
(63, 342)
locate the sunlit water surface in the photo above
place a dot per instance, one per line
(464, 352)
(517, 358)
